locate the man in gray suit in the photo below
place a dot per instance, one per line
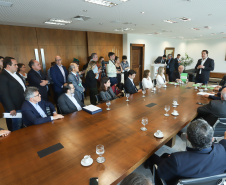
(214, 110)
(69, 101)
(74, 78)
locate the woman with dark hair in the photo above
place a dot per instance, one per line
(146, 81)
(21, 70)
(106, 92)
(91, 81)
(118, 68)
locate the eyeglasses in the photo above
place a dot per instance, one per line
(37, 95)
(58, 59)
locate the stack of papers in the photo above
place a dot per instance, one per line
(92, 109)
(7, 115)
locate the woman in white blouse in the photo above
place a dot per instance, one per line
(160, 78)
(146, 81)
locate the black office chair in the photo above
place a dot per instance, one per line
(211, 180)
(59, 111)
(154, 82)
(219, 127)
(223, 81)
(140, 85)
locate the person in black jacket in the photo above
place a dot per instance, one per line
(203, 67)
(69, 101)
(38, 79)
(129, 84)
(12, 89)
(202, 159)
(170, 68)
(91, 81)
(214, 109)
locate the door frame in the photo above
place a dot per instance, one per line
(143, 47)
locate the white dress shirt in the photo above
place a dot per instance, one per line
(160, 80)
(147, 83)
(202, 63)
(63, 73)
(74, 101)
(132, 81)
(17, 78)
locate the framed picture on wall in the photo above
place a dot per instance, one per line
(169, 51)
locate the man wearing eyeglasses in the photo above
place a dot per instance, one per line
(59, 75)
(12, 89)
(37, 111)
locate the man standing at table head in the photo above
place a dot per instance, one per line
(170, 67)
(203, 67)
(177, 62)
(37, 78)
(59, 76)
(129, 84)
(35, 110)
(12, 89)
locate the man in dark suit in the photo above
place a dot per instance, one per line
(59, 76)
(75, 79)
(161, 60)
(177, 74)
(214, 109)
(129, 84)
(12, 89)
(37, 78)
(69, 101)
(177, 62)
(202, 159)
(203, 67)
(170, 67)
(35, 110)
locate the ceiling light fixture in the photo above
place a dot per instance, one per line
(195, 28)
(55, 23)
(102, 3)
(123, 29)
(124, 0)
(60, 21)
(142, 12)
(170, 21)
(6, 4)
(185, 19)
(207, 27)
(81, 18)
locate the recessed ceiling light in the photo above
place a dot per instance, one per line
(170, 21)
(84, 10)
(195, 28)
(207, 27)
(123, 29)
(142, 12)
(81, 18)
(124, 0)
(6, 4)
(60, 21)
(184, 19)
(102, 3)
(54, 23)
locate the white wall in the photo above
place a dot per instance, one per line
(154, 46)
(216, 48)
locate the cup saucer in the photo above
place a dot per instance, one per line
(175, 114)
(158, 136)
(83, 163)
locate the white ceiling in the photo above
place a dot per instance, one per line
(104, 19)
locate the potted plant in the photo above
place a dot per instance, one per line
(186, 61)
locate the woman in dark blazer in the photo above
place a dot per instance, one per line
(91, 81)
(106, 92)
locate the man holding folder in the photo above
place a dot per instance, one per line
(179, 75)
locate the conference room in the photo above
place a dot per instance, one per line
(102, 141)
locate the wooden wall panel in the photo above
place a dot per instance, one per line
(102, 43)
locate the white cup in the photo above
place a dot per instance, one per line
(175, 112)
(86, 159)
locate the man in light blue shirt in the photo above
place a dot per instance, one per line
(37, 111)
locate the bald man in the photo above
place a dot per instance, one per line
(177, 74)
(59, 75)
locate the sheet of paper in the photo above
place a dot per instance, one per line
(204, 93)
(91, 108)
(7, 115)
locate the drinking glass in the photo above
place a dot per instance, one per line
(143, 92)
(108, 103)
(100, 152)
(144, 122)
(167, 108)
(127, 96)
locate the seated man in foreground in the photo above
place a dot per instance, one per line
(69, 101)
(129, 84)
(202, 159)
(34, 110)
(214, 109)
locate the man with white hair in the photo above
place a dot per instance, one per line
(214, 109)
(177, 74)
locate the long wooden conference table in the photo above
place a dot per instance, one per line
(126, 146)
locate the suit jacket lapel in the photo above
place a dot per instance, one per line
(7, 74)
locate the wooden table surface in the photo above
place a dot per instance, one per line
(126, 146)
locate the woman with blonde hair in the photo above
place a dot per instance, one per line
(160, 78)
(91, 81)
(146, 81)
